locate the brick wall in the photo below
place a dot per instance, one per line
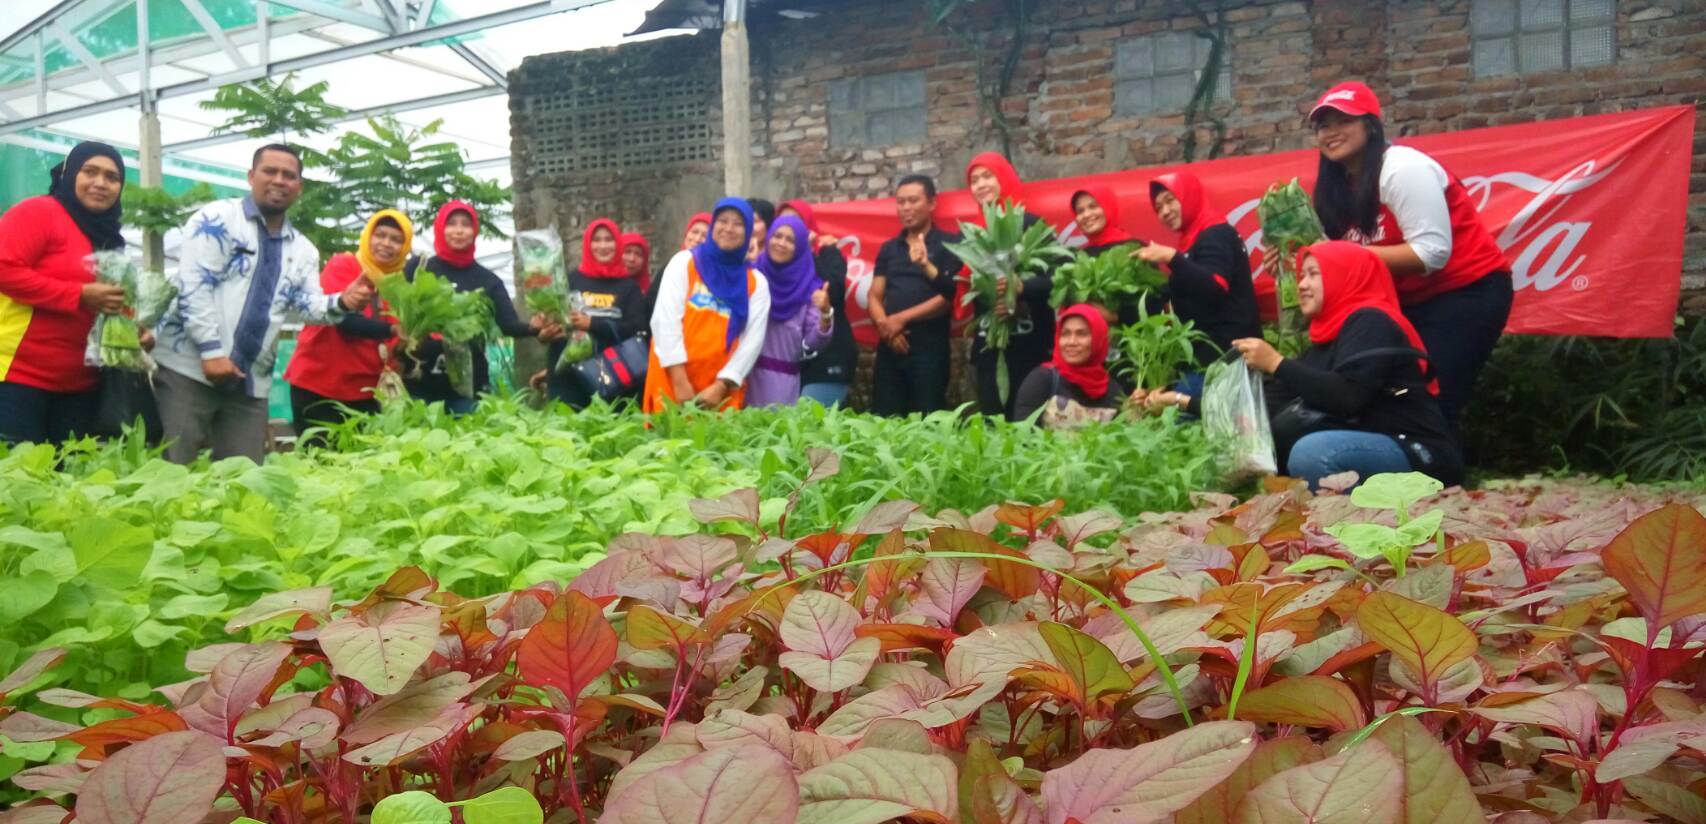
(1061, 101)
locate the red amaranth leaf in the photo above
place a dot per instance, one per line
(570, 648)
(168, 779)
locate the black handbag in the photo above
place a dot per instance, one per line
(616, 371)
(127, 396)
(1297, 418)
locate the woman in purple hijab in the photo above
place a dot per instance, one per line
(800, 316)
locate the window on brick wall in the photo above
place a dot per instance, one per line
(1158, 73)
(1528, 36)
(877, 110)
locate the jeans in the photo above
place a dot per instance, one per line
(460, 406)
(829, 395)
(31, 415)
(1329, 452)
(1459, 330)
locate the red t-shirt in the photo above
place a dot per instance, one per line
(330, 362)
(43, 325)
(1426, 206)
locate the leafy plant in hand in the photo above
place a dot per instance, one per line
(1151, 352)
(1289, 223)
(430, 306)
(1111, 279)
(1001, 254)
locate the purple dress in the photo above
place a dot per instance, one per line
(775, 381)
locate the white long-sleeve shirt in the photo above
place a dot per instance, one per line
(1412, 187)
(672, 297)
(237, 284)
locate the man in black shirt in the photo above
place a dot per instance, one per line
(911, 301)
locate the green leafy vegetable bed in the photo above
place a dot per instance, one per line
(128, 561)
(1530, 653)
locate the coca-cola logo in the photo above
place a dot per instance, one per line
(1542, 248)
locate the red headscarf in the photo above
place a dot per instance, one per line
(1196, 213)
(589, 265)
(1111, 232)
(804, 210)
(1011, 187)
(1354, 278)
(1091, 375)
(702, 217)
(637, 239)
(459, 258)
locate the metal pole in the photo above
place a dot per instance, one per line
(737, 101)
(148, 154)
(41, 74)
(264, 41)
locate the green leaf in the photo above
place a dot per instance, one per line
(24, 595)
(505, 805)
(111, 553)
(1397, 491)
(1311, 563)
(412, 807)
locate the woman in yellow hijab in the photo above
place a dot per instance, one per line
(335, 368)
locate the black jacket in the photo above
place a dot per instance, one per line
(839, 359)
(1386, 394)
(434, 384)
(1223, 311)
(1045, 384)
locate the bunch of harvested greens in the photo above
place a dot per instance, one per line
(1111, 279)
(1289, 223)
(1151, 352)
(115, 341)
(1001, 254)
(430, 305)
(580, 346)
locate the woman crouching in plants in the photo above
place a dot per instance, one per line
(335, 369)
(711, 315)
(1210, 283)
(454, 233)
(1073, 387)
(1361, 398)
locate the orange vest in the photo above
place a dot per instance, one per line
(704, 330)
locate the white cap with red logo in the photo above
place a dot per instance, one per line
(1351, 97)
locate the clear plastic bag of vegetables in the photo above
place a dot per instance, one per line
(115, 340)
(1235, 411)
(544, 281)
(580, 345)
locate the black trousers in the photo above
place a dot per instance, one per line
(311, 409)
(1024, 354)
(1459, 330)
(32, 415)
(914, 382)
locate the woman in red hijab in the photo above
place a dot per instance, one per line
(1366, 380)
(614, 305)
(637, 258)
(1208, 273)
(992, 179)
(697, 227)
(1097, 211)
(1074, 386)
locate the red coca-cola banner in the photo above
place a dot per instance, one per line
(1590, 211)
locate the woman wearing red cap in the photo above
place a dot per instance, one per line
(1364, 380)
(992, 179)
(1453, 281)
